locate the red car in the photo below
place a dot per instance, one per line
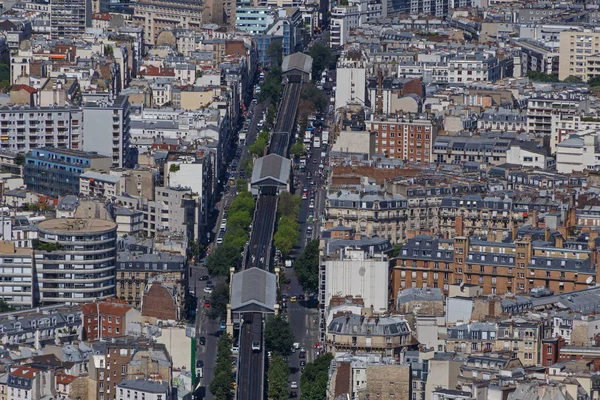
(207, 303)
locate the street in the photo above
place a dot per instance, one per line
(303, 315)
(205, 326)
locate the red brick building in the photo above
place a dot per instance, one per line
(408, 138)
(106, 319)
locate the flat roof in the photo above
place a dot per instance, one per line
(71, 225)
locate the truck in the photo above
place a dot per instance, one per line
(325, 137)
(307, 138)
(242, 137)
(317, 142)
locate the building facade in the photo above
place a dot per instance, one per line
(75, 260)
(26, 128)
(69, 18)
(56, 172)
(109, 139)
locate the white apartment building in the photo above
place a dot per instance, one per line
(473, 68)
(541, 108)
(17, 272)
(338, 32)
(356, 273)
(565, 124)
(97, 184)
(351, 78)
(527, 156)
(26, 128)
(578, 152)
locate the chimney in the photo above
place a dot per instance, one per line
(459, 226)
(534, 219)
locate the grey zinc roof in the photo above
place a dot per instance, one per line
(144, 386)
(358, 325)
(253, 286)
(271, 166)
(299, 61)
(412, 294)
(100, 177)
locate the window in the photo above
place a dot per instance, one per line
(549, 351)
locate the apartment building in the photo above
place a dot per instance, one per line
(95, 184)
(351, 68)
(406, 138)
(522, 338)
(16, 287)
(578, 51)
(56, 172)
(69, 18)
(26, 128)
(75, 260)
(500, 369)
(143, 389)
(578, 153)
(438, 8)
(357, 273)
(565, 124)
(135, 270)
(497, 267)
(472, 338)
(370, 212)
(156, 16)
(254, 20)
(458, 150)
(376, 334)
(109, 139)
(43, 326)
(537, 56)
(106, 319)
(469, 68)
(540, 110)
(489, 217)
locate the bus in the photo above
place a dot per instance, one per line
(317, 142)
(256, 333)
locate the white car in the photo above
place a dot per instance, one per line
(312, 204)
(219, 240)
(208, 290)
(294, 385)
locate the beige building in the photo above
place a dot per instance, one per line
(576, 47)
(523, 338)
(158, 15)
(193, 98)
(96, 184)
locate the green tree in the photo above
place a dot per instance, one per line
(5, 307)
(218, 301)
(321, 55)
(240, 219)
(220, 386)
(306, 267)
(275, 52)
(271, 88)
(248, 166)
(344, 3)
(287, 234)
(298, 149)
(572, 79)
(241, 184)
(258, 147)
(396, 249)
(289, 205)
(316, 97)
(271, 113)
(542, 77)
(236, 238)
(278, 376)
(313, 384)
(20, 159)
(224, 257)
(595, 81)
(279, 336)
(244, 201)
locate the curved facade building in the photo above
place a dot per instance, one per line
(75, 260)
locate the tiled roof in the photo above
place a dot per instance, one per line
(105, 308)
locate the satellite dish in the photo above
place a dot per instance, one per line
(589, 280)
